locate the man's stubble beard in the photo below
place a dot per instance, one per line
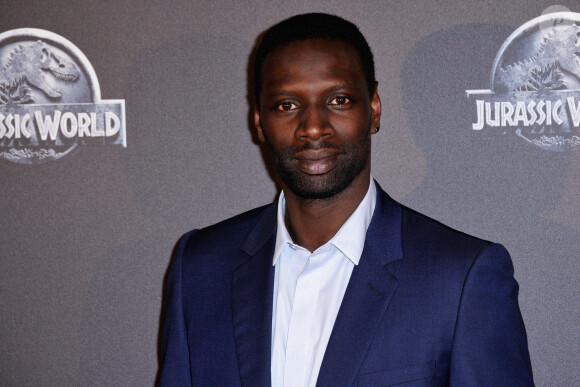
(312, 187)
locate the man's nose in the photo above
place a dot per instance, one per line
(314, 124)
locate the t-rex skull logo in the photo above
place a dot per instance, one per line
(556, 53)
(32, 63)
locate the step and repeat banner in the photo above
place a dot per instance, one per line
(124, 125)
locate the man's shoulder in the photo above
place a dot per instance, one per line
(433, 251)
(425, 236)
(419, 231)
(245, 220)
(229, 233)
(416, 224)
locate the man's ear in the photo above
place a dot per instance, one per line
(258, 124)
(376, 108)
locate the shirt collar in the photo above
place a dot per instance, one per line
(349, 239)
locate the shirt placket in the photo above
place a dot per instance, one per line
(301, 341)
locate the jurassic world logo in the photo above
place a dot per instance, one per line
(50, 100)
(535, 85)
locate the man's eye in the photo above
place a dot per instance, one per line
(339, 101)
(287, 106)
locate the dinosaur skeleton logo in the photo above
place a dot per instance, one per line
(50, 100)
(535, 85)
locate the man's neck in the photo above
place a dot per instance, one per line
(313, 222)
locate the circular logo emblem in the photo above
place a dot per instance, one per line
(50, 99)
(535, 84)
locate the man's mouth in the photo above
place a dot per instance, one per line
(317, 162)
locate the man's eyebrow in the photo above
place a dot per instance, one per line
(278, 93)
(342, 86)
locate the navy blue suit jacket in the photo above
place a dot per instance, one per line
(426, 306)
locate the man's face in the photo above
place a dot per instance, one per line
(315, 115)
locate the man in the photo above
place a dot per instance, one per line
(335, 284)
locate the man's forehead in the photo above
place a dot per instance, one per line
(314, 53)
(298, 46)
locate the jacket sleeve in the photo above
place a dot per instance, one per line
(174, 354)
(490, 344)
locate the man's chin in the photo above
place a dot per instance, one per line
(315, 187)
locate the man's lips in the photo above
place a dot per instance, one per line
(317, 162)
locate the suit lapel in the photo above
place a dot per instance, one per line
(252, 286)
(367, 296)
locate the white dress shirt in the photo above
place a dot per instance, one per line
(308, 290)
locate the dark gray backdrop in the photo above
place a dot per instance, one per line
(86, 240)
